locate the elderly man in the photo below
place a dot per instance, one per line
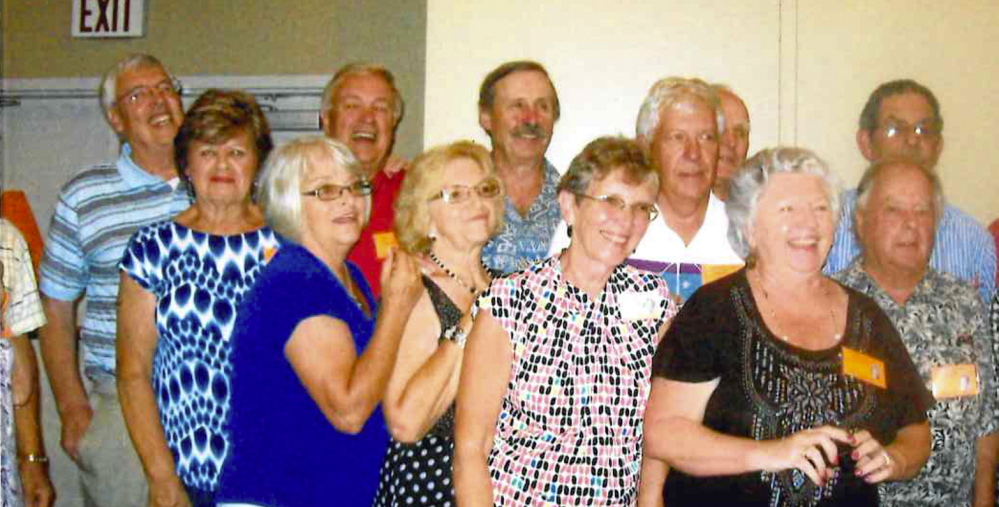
(734, 139)
(362, 108)
(902, 119)
(943, 324)
(97, 212)
(678, 128)
(518, 108)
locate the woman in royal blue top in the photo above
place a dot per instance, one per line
(310, 358)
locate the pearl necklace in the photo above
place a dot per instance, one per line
(469, 287)
(773, 313)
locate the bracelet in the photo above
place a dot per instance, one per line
(455, 334)
(35, 458)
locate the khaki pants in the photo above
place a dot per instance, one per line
(110, 471)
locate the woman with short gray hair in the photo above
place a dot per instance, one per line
(310, 364)
(776, 386)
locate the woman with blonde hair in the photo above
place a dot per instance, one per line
(449, 207)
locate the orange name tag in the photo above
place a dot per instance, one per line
(384, 241)
(864, 368)
(954, 380)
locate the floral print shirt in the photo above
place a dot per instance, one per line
(942, 323)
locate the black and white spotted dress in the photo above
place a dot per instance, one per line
(420, 473)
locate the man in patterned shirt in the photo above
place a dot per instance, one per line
(943, 324)
(518, 108)
(97, 212)
(902, 119)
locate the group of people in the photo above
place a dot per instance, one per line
(663, 322)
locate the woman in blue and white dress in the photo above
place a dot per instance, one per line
(181, 282)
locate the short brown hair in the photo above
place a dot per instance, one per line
(218, 115)
(605, 155)
(487, 91)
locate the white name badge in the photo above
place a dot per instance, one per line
(640, 305)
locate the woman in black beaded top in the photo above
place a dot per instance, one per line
(777, 386)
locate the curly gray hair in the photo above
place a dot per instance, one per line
(751, 180)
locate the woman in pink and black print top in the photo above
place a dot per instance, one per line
(557, 369)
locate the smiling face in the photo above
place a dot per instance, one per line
(897, 226)
(331, 225)
(903, 110)
(522, 117)
(223, 173)
(362, 117)
(602, 232)
(152, 120)
(685, 150)
(468, 224)
(793, 225)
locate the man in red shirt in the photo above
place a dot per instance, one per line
(362, 108)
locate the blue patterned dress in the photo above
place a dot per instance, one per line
(198, 279)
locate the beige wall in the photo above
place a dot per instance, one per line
(224, 37)
(805, 68)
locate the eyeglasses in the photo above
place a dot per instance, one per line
(647, 212)
(457, 194)
(925, 129)
(143, 94)
(331, 192)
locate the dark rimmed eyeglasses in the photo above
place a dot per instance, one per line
(331, 192)
(642, 210)
(457, 194)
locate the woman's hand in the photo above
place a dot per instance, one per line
(401, 279)
(808, 451)
(874, 462)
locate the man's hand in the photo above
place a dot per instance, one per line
(168, 492)
(75, 422)
(38, 491)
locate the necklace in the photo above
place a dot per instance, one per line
(469, 287)
(773, 313)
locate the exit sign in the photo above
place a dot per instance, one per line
(108, 18)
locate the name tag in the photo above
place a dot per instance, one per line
(864, 368)
(640, 305)
(954, 381)
(384, 241)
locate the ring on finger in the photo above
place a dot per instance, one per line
(887, 457)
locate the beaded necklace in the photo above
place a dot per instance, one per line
(469, 287)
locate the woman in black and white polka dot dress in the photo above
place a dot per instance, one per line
(449, 206)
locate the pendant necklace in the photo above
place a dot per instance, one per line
(773, 313)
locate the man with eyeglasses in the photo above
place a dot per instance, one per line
(362, 108)
(902, 120)
(97, 212)
(734, 140)
(518, 108)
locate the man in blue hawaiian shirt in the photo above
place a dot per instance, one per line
(518, 108)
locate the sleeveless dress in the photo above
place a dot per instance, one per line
(420, 473)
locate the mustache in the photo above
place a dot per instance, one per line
(529, 130)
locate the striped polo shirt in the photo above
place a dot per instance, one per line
(98, 211)
(962, 247)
